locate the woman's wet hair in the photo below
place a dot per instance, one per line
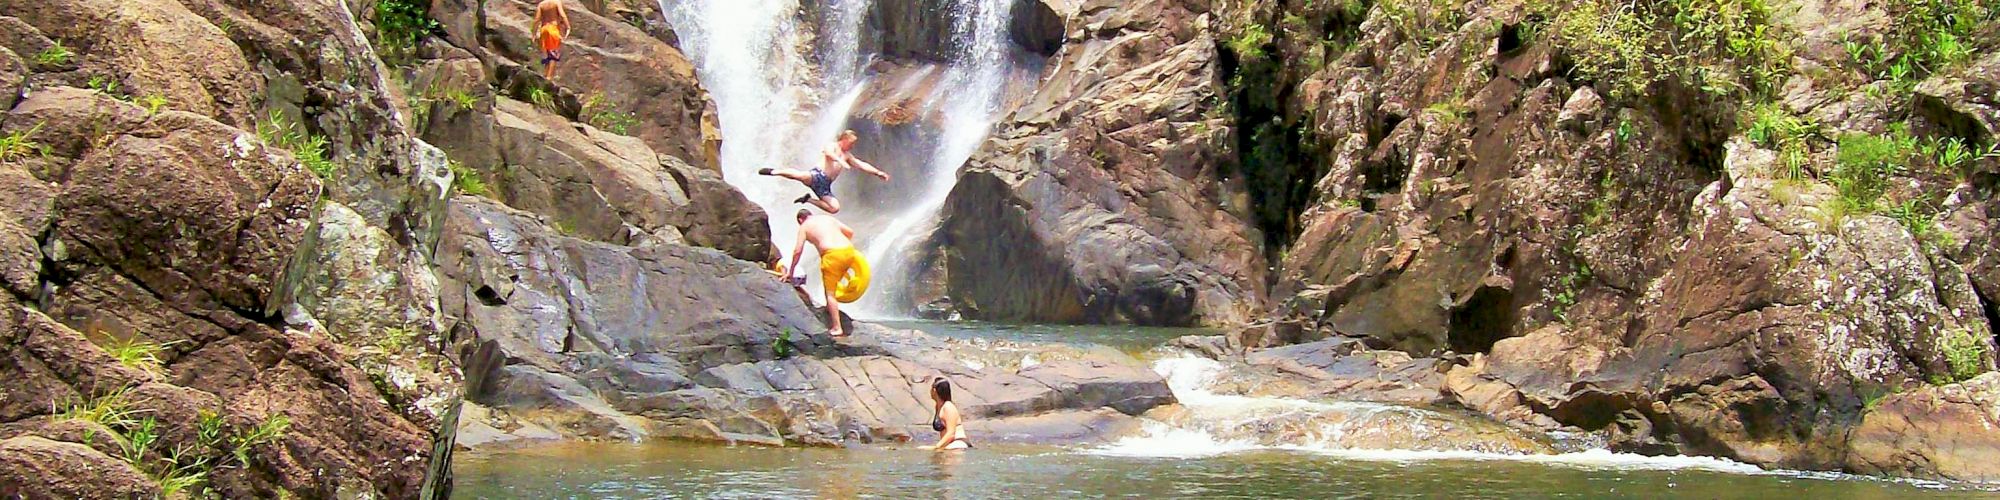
(942, 388)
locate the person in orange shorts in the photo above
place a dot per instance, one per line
(841, 269)
(551, 27)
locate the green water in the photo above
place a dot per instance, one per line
(1130, 339)
(700, 471)
(1161, 463)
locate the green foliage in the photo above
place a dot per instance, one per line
(1250, 43)
(55, 55)
(463, 98)
(1569, 288)
(466, 180)
(1449, 112)
(110, 410)
(395, 340)
(781, 346)
(20, 144)
(1956, 158)
(1964, 354)
(153, 103)
(1725, 47)
(1425, 21)
(599, 113)
(107, 86)
(139, 354)
(400, 25)
(542, 99)
(269, 431)
(308, 148)
(1863, 166)
(1772, 126)
(1926, 36)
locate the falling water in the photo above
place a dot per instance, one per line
(778, 106)
(977, 81)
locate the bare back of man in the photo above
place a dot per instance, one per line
(843, 272)
(834, 160)
(551, 27)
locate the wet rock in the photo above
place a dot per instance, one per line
(1062, 427)
(1100, 200)
(1092, 384)
(35, 467)
(1944, 432)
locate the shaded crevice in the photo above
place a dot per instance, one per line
(1485, 318)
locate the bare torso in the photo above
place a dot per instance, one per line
(826, 233)
(833, 160)
(549, 12)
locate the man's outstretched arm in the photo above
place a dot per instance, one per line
(866, 167)
(798, 249)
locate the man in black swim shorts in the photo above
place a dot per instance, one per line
(835, 159)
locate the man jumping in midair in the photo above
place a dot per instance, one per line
(836, 158)
(842, 271)
(551, 27)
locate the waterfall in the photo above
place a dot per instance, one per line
(976, 82)
(785, 88)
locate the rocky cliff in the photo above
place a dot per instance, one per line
(1753, 230)
(218, 237)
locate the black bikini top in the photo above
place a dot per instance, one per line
(937, 423)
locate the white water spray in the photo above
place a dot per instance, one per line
(777, 109)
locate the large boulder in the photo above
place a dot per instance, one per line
(592, 340)
(598, 185)
(1944, 432)
(1101, 200)
(622, 66)
(35, 467)
(176, 231)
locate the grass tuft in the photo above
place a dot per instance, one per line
(55, 55)
(308, 148)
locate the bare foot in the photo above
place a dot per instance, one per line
(836, 334)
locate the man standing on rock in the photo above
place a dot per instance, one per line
(835, 159)
(551, 27)
(842, 271)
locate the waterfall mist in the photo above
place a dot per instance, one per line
(788, 76)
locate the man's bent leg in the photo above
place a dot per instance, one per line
(830, 205)
(833, 316)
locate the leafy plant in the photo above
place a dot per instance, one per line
(395, 340)
(55, 55)
(1569, 290)
(1964, 354)
(781, 346)
(463, 98)
(153, 103)
(466, 180)
(399, 25)
(110, 410)
(599, 113)
(269, 431)
(308, 148)
(106, 86)
(541, 99)
(1250, 43)
(139, 354)
(20, 144)
(1863, 165)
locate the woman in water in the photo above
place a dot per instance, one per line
(949, 424)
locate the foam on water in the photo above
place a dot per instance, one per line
(1193, 378)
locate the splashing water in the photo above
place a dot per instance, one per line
(778, 106)
(1217, 424)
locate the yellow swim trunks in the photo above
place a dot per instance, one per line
(845, 274)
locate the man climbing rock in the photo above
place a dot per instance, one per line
(842, 271)
(836, 158)
(551, 27)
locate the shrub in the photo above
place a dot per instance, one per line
(399, 25)
(308, 148)
(55, 55)
(1863, 165)
(598, 112)
(139, 354)
(1250, 43)
(1964, 354)
(466, 180)
(1726, 47)
(1424, 21)
(20, 144)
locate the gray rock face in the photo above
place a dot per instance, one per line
(1099, 200)
(590, 339)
